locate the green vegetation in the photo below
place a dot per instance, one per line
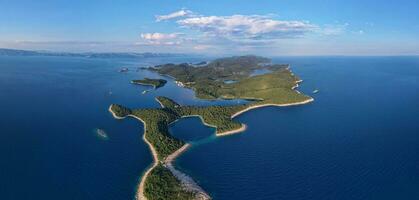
(207, 81)
(274, 88)
(157, 121)
(216, 116)
(156, 83)
(221, 69)
(162, 185)
(120, 111)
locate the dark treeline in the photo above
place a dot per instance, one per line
(156, 83)
(162, 185)
(120, 111)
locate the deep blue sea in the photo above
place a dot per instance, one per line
(359, 139)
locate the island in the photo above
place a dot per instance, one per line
(156, 83)
(277, 88)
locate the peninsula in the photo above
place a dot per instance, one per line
(277, 88)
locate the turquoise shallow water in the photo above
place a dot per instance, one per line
(358, 140)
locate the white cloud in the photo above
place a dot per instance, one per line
(247, 26)
(174, 15)
(242, 33)
(160, 39)
(158, 36)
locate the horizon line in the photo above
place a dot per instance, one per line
(211, 54)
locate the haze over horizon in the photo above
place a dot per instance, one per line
(213, 28)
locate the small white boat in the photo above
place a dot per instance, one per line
(315, 91)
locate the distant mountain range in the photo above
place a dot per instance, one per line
(16, 52)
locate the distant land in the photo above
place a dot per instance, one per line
(17, 52)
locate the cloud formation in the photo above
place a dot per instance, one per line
(160, 39)
(158, 36)
(236, 32)
(252, 26)
(174, 15)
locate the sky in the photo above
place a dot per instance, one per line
(216, 27)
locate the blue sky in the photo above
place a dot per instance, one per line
(274, 28)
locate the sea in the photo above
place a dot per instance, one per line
(358, 140)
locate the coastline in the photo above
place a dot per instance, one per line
(244, 126)
(239, 130)
(271, 104)
(199, 116)
(280, 105)
(144, 84)
(187, 182)
(140, 188)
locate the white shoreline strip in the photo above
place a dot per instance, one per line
(239, 130)
(280, 105)
(269, 104)
(244, 127)
(140, 189)
(187, 182)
